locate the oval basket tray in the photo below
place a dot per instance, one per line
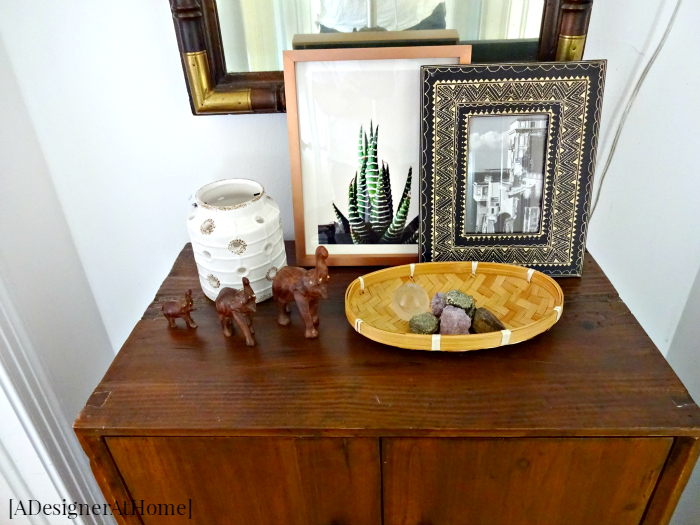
(526, 301)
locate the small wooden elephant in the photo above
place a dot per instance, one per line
(237, 305)
(305, 287)
(174, 309)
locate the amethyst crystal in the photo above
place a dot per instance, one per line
(438, 303)
(454, 321)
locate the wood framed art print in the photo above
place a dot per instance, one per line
(507, 162)
(353, 117)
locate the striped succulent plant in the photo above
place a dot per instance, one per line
(371, 218)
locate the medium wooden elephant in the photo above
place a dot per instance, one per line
(305, 287)
(237, 305)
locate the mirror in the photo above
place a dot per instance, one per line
(231, 50)
(255, 32)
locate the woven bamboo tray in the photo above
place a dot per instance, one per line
(526, 301)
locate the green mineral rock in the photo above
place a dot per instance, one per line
(485, 321)
(461, 300)
(425, 323)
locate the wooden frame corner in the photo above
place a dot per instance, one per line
(212, 90)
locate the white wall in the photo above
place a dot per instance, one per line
(105, 90)
(39, 264)
(645, 233)
(53, 344)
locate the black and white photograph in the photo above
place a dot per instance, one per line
(505, 174)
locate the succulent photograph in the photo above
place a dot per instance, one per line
(371, 217)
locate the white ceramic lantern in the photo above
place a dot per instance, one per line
(236, 232)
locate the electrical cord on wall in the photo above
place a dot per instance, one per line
(630, 102)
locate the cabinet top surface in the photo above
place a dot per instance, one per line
(596, 372)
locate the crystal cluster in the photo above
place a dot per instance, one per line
(454, 321)
(453, 313)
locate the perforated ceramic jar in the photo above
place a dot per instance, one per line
(236, 232)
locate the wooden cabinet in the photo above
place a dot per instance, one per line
(606, 481)
(267, 481)
(585, 424)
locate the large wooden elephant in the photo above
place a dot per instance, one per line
(305, 287)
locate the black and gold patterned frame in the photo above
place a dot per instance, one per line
(570, 94)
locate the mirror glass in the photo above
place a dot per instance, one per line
(255, 32)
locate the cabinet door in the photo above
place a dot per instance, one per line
(261, 481)
(538, 481)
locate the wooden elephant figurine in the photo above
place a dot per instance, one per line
(305, 287)
(174, 309)
(237, 305)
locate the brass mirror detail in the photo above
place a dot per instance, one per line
(214, 90)
(211, 88)
(567, 21)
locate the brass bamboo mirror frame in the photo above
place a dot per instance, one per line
(215, 91)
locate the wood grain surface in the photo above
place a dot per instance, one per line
(601, 481)
(595, 373)
(677, 471)
(261, 481)
(108, 477)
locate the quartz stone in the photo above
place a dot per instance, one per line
(425, 323)
(409, 300)
(454, 321)
(485, 321)
(461, 300)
